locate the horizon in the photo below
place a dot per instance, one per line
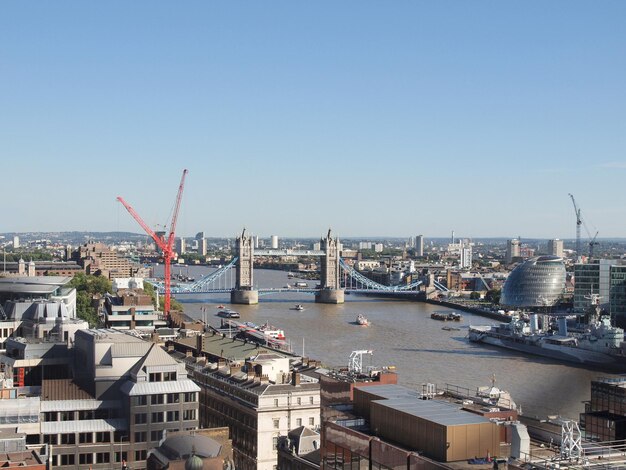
(366, 117)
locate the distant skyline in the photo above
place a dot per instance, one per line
(372, 118)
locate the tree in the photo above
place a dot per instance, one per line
(87, 287)
(474, 295)
(493, 296)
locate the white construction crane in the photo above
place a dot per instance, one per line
(580, 221)
(355, 361)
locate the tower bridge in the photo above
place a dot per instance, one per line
(336, 277)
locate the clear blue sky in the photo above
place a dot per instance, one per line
(373, 118)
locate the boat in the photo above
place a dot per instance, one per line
(270, 331)
(361, 320)
(301, 284)
(450, 328)
(298, 307)
(446, 316)
(228, 313)
(595, 343)
(290, 275)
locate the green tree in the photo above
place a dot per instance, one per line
(493, 296)
(474, 295)
(87, 288)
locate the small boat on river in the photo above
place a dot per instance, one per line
(298, 307)
(361, 320)
(446, 316)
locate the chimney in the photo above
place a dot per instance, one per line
(249, 370)
(295, 378)
(265, 379)
(199, 343)
(235, 368)
(188, 353)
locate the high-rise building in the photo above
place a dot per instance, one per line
(202, 247)
(200, 236)
(466, 255)
(181, 247)
(555, 247)
(16, 241)
(419, 245)
(606, 278)
(512, 250)
(274, 242)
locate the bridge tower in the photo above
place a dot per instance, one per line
(244, 292)
(331, 291)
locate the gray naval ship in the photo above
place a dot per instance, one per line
(594, 343)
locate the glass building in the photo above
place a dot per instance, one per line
(537, 282)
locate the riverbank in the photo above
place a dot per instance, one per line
(469, 309)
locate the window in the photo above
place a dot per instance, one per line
(275, 442)
(68, 438)
(173, 416)
(157, 399)
(189, 415)
(140, 436)
(276, 423)
(103, 437)
(156, 435)
(67, 459)
(85, 459)
(140, 455)
(103, 457)
(299, 422)
(299, 401)
(157, 417)
(140, 400)
(49, 416)
(155, 377)
(85, 438)
(311, 421)
(141, 418)
(173, 397)
(169, 376)
(67, 415)
(275, 401)
(124, 456)
(190, 396)
(86, 414)
(51, 439)
(311, 400)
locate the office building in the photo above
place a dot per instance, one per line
(260, 394)
(16, 242)
(604, 418)
(512, 250)
(606, 278)
(131, 309)
(181, 246)
(537, 282)
(99, 259)
(202, 247)
(274, 242)
(419, 245)
(555, 247)
(465, 259)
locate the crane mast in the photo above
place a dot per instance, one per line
(578, 224)
(166, 245)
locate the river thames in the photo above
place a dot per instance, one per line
(403, 335)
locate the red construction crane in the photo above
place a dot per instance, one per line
(166, 244)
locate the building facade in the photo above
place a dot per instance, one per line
(537, 282)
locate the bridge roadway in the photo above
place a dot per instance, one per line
(289, 252)
(279, 290)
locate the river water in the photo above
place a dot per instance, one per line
(403, 335)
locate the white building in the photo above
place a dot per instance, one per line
(181, 247)
(274, 242)
(512, 250)
(465, 260)
(555, 247)
(16, 241)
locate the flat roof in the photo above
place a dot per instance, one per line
(436, 411)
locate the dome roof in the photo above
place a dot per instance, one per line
(194, 463)
(187, 446)
(537, 282)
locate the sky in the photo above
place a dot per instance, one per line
(372, 118)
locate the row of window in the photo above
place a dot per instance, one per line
(51, 416)
(164, 416)
(298, 422)
(162, 377)
(161, 399)
(83, 438)
(298, 401)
